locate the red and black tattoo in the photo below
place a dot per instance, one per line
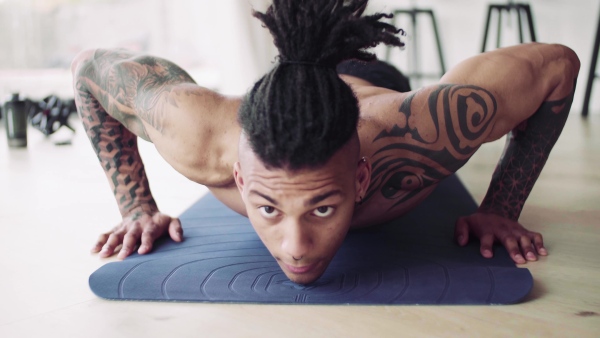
(115, 92)
(117, 152)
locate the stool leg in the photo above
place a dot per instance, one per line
(416, 66)
(487, 28)
(520, 24)
(499, 36)
(530, 20)
(592, 73)
(439, 45)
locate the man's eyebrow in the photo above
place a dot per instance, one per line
(274, 202)
(322, 197)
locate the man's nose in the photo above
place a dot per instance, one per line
(297, 241)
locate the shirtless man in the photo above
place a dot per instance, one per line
(308, 154)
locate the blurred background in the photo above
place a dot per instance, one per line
(223, 47)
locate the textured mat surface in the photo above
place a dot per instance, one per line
(412, 260)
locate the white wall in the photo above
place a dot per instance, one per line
(222, 36)
(218, 42)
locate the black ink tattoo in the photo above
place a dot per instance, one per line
(413, 157)
(115, 92)
(133, 88)
(528, 148)
(116, 148)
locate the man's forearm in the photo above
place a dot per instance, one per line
(528, 148)
(117, 152)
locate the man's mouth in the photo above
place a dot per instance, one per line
(299, 270)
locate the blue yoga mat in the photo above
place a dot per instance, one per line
(411, 260)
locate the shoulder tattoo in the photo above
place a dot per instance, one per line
(428, 144)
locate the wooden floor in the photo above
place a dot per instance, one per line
(54, 201)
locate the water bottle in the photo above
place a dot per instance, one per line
(15, 121)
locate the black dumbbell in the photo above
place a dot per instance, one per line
(51, 114)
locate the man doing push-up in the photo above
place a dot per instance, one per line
(308, 153)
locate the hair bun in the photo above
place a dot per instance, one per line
(326, 32)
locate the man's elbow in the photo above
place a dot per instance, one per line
(80, 59)
(562, 71)
(571, 60)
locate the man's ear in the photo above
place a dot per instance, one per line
(363, 178)
(237, 175)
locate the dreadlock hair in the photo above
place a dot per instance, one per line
(300, 113)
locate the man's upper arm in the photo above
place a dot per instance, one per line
(521, 78)
(130, 87)
(434, 131)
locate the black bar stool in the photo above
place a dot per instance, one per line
(519, 8)
(413, 14)
(592, 75)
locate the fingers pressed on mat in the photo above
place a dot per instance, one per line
(461, 232)
(527, 248)
(129, 242)
(487, 242)
(511, 245)
(148, 238)
(175, 230)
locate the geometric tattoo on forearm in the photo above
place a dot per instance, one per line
(527, 151)
(127, 91)
(117, 152)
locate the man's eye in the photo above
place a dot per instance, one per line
(323, 211)
(268, 212)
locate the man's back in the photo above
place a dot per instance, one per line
(413, 140)
(409, 141)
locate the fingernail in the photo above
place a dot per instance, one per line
(543, 251)
(461, 238)
(531, 256)
(520, 258)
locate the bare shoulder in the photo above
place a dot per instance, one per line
(444, 122)
(199, 133)
(194, 128)
(520, 78)
(416, 139)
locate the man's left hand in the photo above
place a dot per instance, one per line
(522, 245)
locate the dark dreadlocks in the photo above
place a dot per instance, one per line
(299, 114)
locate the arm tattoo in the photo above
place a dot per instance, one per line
(528, 148)
(115, 91)
(413, 157)
(116, 148)
(133, 88)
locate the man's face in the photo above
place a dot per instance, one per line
(302, 216)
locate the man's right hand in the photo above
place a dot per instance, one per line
(138, 227)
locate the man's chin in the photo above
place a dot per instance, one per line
(305, 277)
